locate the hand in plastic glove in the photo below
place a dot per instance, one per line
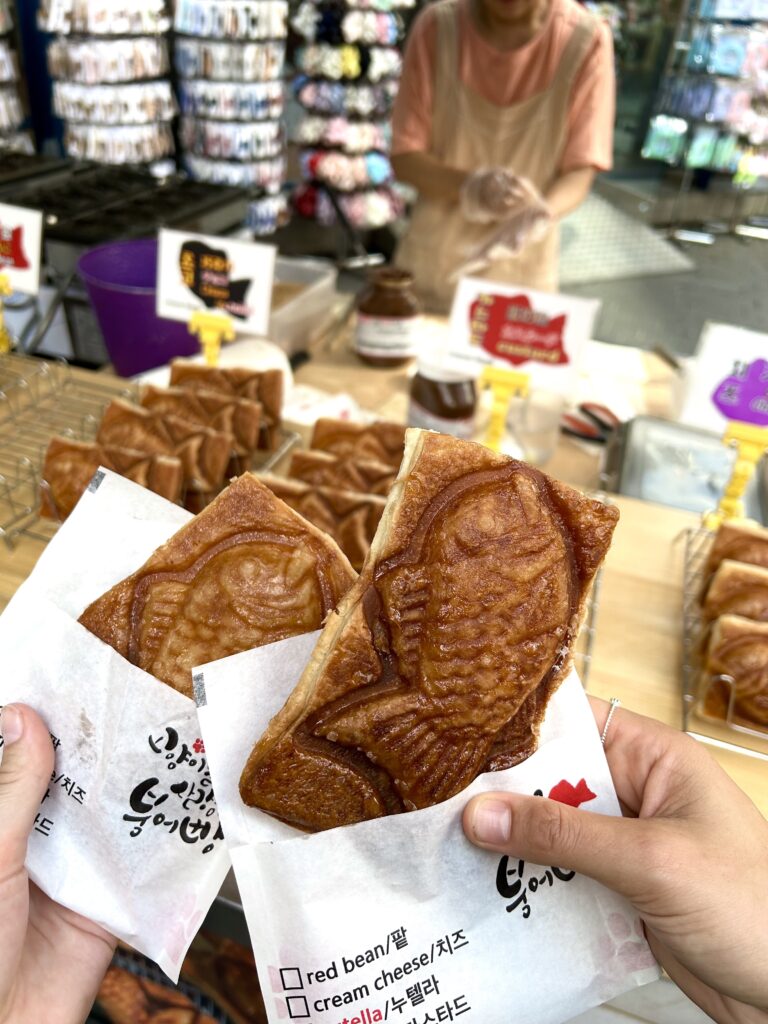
(51, 959)
(490, 195)
(691, 855)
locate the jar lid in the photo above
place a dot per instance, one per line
(444, 368)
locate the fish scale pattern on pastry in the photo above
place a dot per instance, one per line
(245, 572)
(465, 608)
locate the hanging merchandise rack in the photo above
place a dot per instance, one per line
(229, 58)
(348, 72)
(712, 106)
(111, 72)
(12, 112)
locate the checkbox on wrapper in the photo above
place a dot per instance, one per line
(297, 1007)
(290, 978)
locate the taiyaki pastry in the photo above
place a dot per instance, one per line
(737, 589)
(380, 441)
(321, 469)
(739, 542)
(738, 651)
(228, 414)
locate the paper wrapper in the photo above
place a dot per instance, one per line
(402, 919)
(128, 833)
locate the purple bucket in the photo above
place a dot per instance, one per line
(121, 283)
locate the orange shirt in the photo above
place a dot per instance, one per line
(505, 78)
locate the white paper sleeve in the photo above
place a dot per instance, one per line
(127, 833)
(401, 919)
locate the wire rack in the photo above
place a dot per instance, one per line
(39, 399)
(728, 731)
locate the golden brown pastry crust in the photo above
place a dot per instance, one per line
(245, 572)
(69, 466)
(737, 589)
(380, 442)
(350, 518)
(204, 453)
(738, 649)
(262, 386)
(322, 469)
(467, 605)
(228, 414)
(739, 542)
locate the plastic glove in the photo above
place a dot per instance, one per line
(527, 221)
(489, 194)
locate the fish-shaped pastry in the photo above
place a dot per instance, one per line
(739, 542)
(246, 571)
(737, 589)
(380, 441)
(350, 518)
(228, 414)
(262, 386)
(738, 650)
(325, 470)
(69, 466)
(467, 605)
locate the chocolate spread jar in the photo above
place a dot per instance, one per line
(443, 398)
(387, 319)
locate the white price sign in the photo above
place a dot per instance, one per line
(21, 237)
(724, 351)
(199, 272)
(537, 333)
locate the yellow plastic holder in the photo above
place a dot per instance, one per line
(5, 337)
(212, 329)
(751, 443)
(505, 385)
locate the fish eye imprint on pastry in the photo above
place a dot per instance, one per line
(245, 572)
(441, 659)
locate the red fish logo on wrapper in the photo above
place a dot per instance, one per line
(511, 329)
(12, 248)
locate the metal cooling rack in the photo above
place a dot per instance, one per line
(731, 732)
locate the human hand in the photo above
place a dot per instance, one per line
(51, 960)
(691, 855)
(488, 195)
(526, 220)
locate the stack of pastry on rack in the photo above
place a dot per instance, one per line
(734, 677)
(183, 442)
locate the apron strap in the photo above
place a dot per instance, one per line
(446, 75)
(572, 60)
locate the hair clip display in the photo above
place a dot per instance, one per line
(17, 142)
(116, 60)
(132, 144)
(105, 18)
(254, 101)
(368, 101)
(348, 62)
(222, 140)
(249, 62)
(11, 113)
(369, 209)
(9, 65)
(232, 19)
(267, 214)
(345, 173)
(340, 133)
(330, 23)
(266, 175)
(116, 104)
(138, 103)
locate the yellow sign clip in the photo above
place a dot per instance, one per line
(5, 338)
(212, 329)
(751, 443)
(504, 385)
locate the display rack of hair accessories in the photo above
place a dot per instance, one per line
(712, 106)
(347, 77)
(111, 70)
(230, 58)
(12, 113)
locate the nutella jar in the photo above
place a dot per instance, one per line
(387, 319)
(443, 398)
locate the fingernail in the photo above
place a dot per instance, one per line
(11, 724)
(491, 822)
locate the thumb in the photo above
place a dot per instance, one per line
(25, 771)
(541, 831)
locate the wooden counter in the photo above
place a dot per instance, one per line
(638, 648)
